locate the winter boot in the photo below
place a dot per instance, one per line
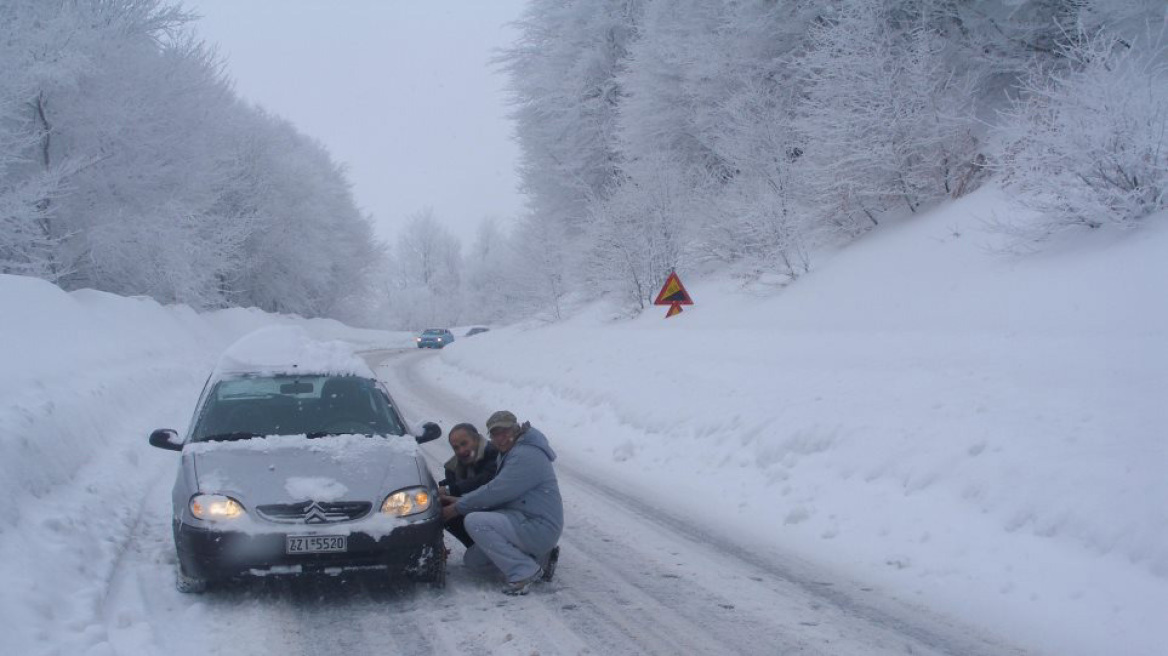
(549, 568)
(521, 586)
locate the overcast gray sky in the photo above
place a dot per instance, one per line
(400, 91)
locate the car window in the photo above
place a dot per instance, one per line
(249, 406)
(393, 410)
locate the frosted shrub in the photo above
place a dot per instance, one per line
(762, 227)
(638, 234)
(1088, 147)
(886, 115)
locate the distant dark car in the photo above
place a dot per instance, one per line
(476, 330)
(435, 338)
(299, 461)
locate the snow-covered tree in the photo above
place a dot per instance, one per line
(50, 50)
(882, 117)
(485, 281)
(691, 61)
(1089, 147)
(539, 268)
(639, 234)
(428, 260)
(139, 204)
(428, 254)
(128, 165)
(758, 217)
(564, 87)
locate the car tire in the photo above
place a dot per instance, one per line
(188, 584)
(434, 571)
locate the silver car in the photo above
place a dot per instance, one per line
(295, 468)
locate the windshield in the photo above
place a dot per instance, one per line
(251, 406)
(435, 333)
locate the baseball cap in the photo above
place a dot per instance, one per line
(502, 419)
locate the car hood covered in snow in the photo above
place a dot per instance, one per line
(283, 469)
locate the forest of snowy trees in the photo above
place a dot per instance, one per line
(655, 135)
(660, 134)
(127, 164)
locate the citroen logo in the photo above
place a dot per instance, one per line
(315, 515)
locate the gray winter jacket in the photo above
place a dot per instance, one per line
(526, 491)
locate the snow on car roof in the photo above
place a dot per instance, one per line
(277, 350)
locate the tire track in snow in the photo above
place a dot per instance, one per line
(829, 603)
(753, 603)
(608, 612)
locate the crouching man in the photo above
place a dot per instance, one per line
(472, 466)
(515, 519)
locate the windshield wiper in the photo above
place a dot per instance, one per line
(328, 433)
(229, 437)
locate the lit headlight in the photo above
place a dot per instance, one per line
(407, 502)
(215, 506)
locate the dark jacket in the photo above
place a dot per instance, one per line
(525, 491)
(461, 478)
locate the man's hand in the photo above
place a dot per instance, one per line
(449, 511)
(446, 499)
(443, 491)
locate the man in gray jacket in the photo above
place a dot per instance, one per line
(516, 519)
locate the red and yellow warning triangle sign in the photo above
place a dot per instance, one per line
(673, 294)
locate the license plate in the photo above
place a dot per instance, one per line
(305, 544)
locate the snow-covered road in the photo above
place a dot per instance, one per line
(639, 579)
(634, 579)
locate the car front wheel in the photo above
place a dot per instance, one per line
(433, 569)
(188, 584)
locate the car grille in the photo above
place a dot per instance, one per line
(313, 512)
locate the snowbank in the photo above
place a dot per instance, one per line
(87, 376)
(979, 432)
(77, 365)
(289, 350)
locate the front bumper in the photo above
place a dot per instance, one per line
(216, 554)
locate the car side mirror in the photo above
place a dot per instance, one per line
(166, 438)
(430, 432)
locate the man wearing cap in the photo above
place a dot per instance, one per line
(516, 519)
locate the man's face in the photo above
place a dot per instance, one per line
(503, 438)
(464, 445)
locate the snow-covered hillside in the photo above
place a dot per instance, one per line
(978, 433)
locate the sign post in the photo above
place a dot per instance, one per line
(673, 294)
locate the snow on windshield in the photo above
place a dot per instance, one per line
(289, 350)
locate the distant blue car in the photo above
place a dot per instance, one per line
(435, 338)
